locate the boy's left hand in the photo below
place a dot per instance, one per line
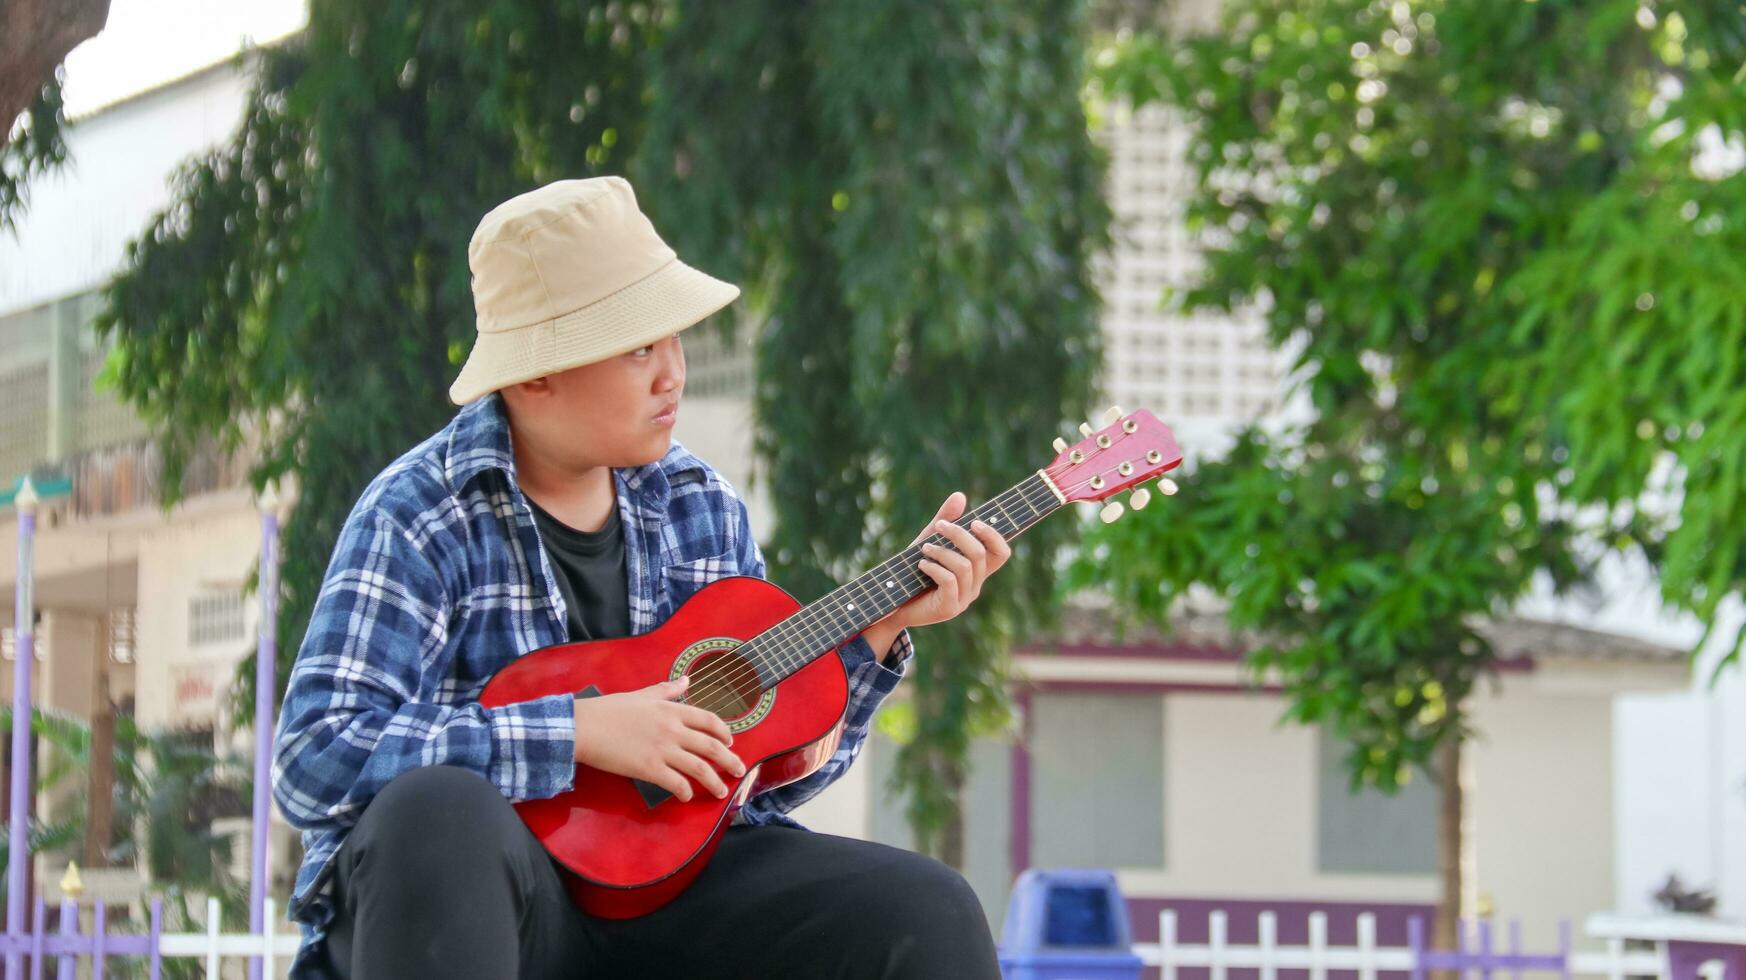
(959, 574)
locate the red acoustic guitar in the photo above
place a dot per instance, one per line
(757, 658)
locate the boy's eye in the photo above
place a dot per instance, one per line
(640, 351)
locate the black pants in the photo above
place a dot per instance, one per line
(440, 878)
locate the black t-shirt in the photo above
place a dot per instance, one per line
(591, 574)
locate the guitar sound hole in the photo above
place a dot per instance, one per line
(725, 684)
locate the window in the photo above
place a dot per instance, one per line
(1371, 831)
(215, 619)
(1097, 780)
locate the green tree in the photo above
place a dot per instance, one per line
(168, 788)
(907, 192)
(1509, 295)
(307, 293)
(913, 193)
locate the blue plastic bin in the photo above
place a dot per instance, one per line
(1069, 924)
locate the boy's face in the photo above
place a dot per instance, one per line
(606, 413)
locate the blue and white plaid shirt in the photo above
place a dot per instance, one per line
(437, 582)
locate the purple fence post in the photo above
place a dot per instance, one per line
(17, 835)
(157, 931)
(1485, 949)
(69, 927)
(1416, 940)
(266, 679)
(36, 934)
(97, 928)
(1564, 948)
(1461, 947)
(1515, 946)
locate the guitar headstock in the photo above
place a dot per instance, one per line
(1129, 450)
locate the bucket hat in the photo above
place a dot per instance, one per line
(570, 274)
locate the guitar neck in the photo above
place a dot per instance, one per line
(827, 623)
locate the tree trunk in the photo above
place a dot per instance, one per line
(1450, 871)
(35, 36)
(100, 795)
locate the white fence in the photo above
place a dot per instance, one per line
(1218, 955)
(1367, 959)
(216, 946)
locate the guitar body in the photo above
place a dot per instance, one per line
(625, 856)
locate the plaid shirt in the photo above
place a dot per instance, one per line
(438, 581)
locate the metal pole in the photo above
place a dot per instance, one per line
(17, 835)
(265, 682)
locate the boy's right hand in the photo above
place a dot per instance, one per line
(647, 735)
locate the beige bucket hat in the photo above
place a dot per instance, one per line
(571, 274)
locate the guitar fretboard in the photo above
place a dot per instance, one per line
(827, 623)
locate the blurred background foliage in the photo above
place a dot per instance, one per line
(908, 192)
(1503, 246)
(35, 146)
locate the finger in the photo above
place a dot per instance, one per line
(959, 564)
(999, 550)
(698, 768)
(673, 781)
(951, 510)
(667, 690)
(717, 753)
(968, 545)
(948, 583)
(709, 723)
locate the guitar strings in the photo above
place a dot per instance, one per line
(721, 685)
(813, 631)
(814, 628)
(809, 628)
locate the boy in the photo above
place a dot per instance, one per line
(556, 507)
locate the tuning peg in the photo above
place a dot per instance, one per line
(1111, 511)
(1137, 500)
(1060, 444)
(1111, 414)
(1168, 486)
(1085, 428)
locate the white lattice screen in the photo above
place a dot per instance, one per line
(100, 419)
(23, 419)
(715, 368)
(1182, 367)
(86, 419)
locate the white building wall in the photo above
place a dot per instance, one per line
(1241, 792)
(1680, 758)
(719, 431)
(1240, 795)
(1542, 807)
(80, 218)
(208, 550)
